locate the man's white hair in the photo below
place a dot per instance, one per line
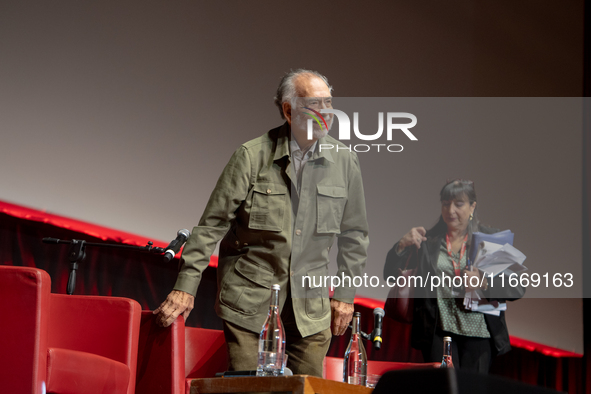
(287, 90)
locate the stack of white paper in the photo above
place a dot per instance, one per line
(493, 259)
(473, 302)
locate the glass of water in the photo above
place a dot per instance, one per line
(372, 380)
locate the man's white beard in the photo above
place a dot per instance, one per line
(319, 133)
(300, 122)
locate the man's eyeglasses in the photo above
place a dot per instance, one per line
(316, 103)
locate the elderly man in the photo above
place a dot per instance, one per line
(278, 205)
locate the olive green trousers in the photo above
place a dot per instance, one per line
(305, 355)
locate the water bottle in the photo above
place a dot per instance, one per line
(272, 340)
(355, 363)
(446, 362)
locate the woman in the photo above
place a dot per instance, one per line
(438, 312)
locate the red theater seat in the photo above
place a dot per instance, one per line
(67, 344)
(103, 332)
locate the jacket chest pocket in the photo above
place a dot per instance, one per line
(331, 202)
(268, 207)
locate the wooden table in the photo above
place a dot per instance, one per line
(297, 384)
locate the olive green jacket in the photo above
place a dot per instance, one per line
(273, 235)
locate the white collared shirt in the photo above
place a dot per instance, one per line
(299, 159)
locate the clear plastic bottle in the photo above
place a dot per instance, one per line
(355, 363)
(446, 362)
(272, 340)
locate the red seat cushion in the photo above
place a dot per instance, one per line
(98, 374)
(381, 367)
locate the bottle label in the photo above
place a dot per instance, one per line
(356, 373)
(446, 362)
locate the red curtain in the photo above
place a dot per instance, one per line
(145, 278)
(111, 272)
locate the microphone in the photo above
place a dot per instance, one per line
(175, 245)
(376, 335)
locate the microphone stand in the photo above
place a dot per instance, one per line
(365, 336)
(77, 254)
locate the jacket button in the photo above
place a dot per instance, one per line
(268, 191)
(237, 243)
(291, 273)
(298, 232)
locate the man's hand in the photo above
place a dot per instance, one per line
(342, 313)
(178, 302)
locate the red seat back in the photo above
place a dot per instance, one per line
(168, 358)
(25, 294)
(161, 357)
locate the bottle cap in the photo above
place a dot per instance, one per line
(275, 287)
(446, 339)
(357, 314)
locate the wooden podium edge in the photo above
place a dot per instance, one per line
(298, 384)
